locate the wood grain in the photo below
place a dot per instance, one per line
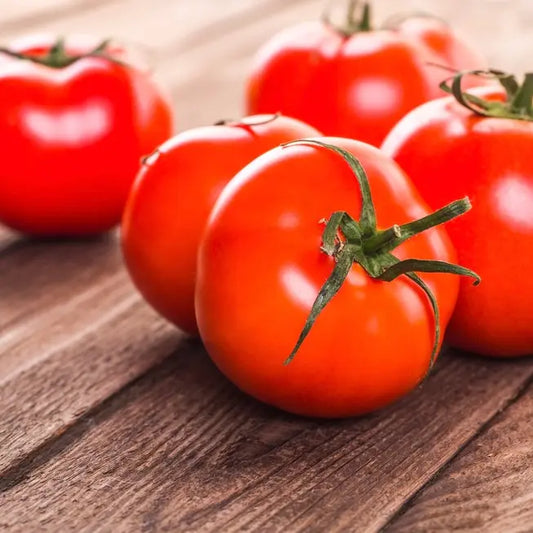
(75, 359)
(488, 488)
(168, 28)
(36, 276)
(168, 455)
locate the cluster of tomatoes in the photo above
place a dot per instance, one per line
(308, 259)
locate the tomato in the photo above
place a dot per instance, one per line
(446, 43)
(353, 81)
(173, 196)
(261, 266)
(73, 130)
(447, 150)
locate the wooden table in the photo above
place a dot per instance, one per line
(111, 420)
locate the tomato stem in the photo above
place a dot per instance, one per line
(58, 57)
(352, 24)
(245, 122)
(521, 101)
(387, 240)
(351, 241)
(518, 104)
(365, 22)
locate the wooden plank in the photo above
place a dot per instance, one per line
(489, 487)
(83, 360)
(73, 327)
(162, 25)
(21, 15)
(38, 275)
(182, 450)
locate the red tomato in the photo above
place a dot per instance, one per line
(439, 37)
(261, 268)
(448, 150)
(72, 137)
(173, 196)
(354, 81)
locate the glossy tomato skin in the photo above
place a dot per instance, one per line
(357, 86)
(172, 198)
(449, 152)
(447, 44)
(72, 139)
(260, 269)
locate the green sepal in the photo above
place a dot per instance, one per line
(518, 103)
(58, 57)
(330, 288)
(353, 23)
(350, 242)
(367, 218)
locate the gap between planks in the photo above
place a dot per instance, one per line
(395, 521)
(489, 485)
(62, 440)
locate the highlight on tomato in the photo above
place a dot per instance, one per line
(173, 196)
(478, 143)
(352, 79)
(319, 286)
(75, 119)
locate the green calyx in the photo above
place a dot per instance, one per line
(358, 19)
(58, 57)
(351, 241)
(517, 105)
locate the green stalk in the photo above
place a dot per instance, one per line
(351, 241)
(58, 57)
(353, 22)
(519, 97)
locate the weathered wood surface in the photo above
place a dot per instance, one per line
(166, 455)
(490, 484)
(111, 420)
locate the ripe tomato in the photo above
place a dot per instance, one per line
(173, 196)
(435, 34)
(448, 150)
(261, 268)
(354, 81)
(73, 130)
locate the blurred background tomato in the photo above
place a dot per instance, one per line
(176, 33)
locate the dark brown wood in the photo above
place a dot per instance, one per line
(30, 287)
(182, 450)
(71, 335)
(489, 487)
